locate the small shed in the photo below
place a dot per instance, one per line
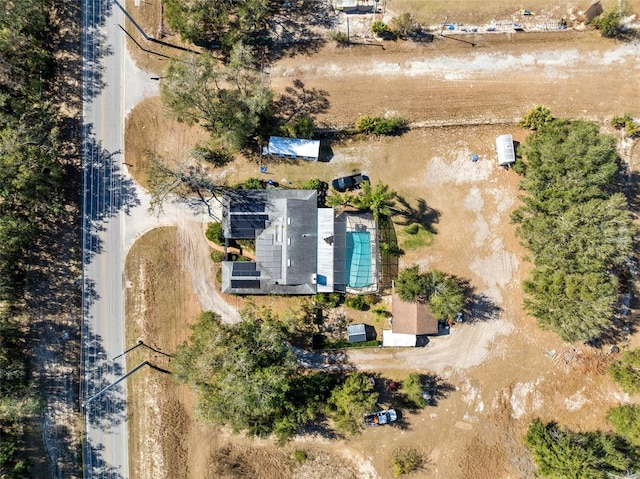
(293, 148)
(357, 333)
(505, 150)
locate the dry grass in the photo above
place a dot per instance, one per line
(159, 304)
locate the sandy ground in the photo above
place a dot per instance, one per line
(500, 369)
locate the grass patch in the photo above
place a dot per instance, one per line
(419, 239)
(159, 304)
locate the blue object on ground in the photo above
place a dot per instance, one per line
(263, 169)
(474, 158)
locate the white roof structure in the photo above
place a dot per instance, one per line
(391, 339)
(506, 153)
(326, 241)
(295, 148)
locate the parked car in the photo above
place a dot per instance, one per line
(380, 418)
(347, 183)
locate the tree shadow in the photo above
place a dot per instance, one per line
(106, 190)
(94, 464)
(293, 27)
(421, 214)
(297, 100)
(478, 307)
(109, 408)
(93, 48)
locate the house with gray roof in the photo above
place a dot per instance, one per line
(300, 248)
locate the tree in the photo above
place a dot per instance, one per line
(626, 371)
(447, 299)
(561, 453)
(378, 199)
(626, 422)
(576, 228)
(409, 286)
(413, 390)
(181, 182)
(242, 372)
(229, 101)
(350, 401)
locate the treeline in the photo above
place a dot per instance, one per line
(577, 228)
(31, 178)
(561, 453)
(248, 377)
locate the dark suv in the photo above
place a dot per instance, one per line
(350, 182)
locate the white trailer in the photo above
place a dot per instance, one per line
(505, 150)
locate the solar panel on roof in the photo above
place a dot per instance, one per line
(248, 207)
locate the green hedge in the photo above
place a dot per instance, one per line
(214, 233)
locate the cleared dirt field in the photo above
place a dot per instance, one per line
(501, 368)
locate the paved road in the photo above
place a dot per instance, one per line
(108, 196)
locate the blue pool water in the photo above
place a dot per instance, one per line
(358, 259)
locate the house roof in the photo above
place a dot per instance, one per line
(284, 226)
(294, 147)
(412, 318)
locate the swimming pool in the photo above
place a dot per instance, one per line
(358, 259)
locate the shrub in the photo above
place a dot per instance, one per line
(214, 233)
(405, 461)
(217, 256)
(339, 37)
(370, 299)
(253, 184)
(302, 127)
(313, 184)
(609, 23)
(299, 455)
(366, 124)
(412, 229)
(380, 125)
(328, 300)
(216, 156)
(355, 302)
(403, 25)
(379, 27)
(536, 118)
(625, 122)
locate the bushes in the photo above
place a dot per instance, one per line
(217, 256)
(405, 461)
(536, 118)
(626, 421)
(253, 184)
(328, 300)
(355, 302)
(609, 23)
(379, 125)
(214, 233)
(404, 25)
(379, 27)
(626, 371)
(412, 229)
(625, 122)
(313, 184)
(302, 127)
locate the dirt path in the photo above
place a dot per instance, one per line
(576, 74)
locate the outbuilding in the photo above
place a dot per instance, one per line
(357, 333)
(505, 150)
(293, 148)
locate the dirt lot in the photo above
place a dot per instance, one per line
(502, 369)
